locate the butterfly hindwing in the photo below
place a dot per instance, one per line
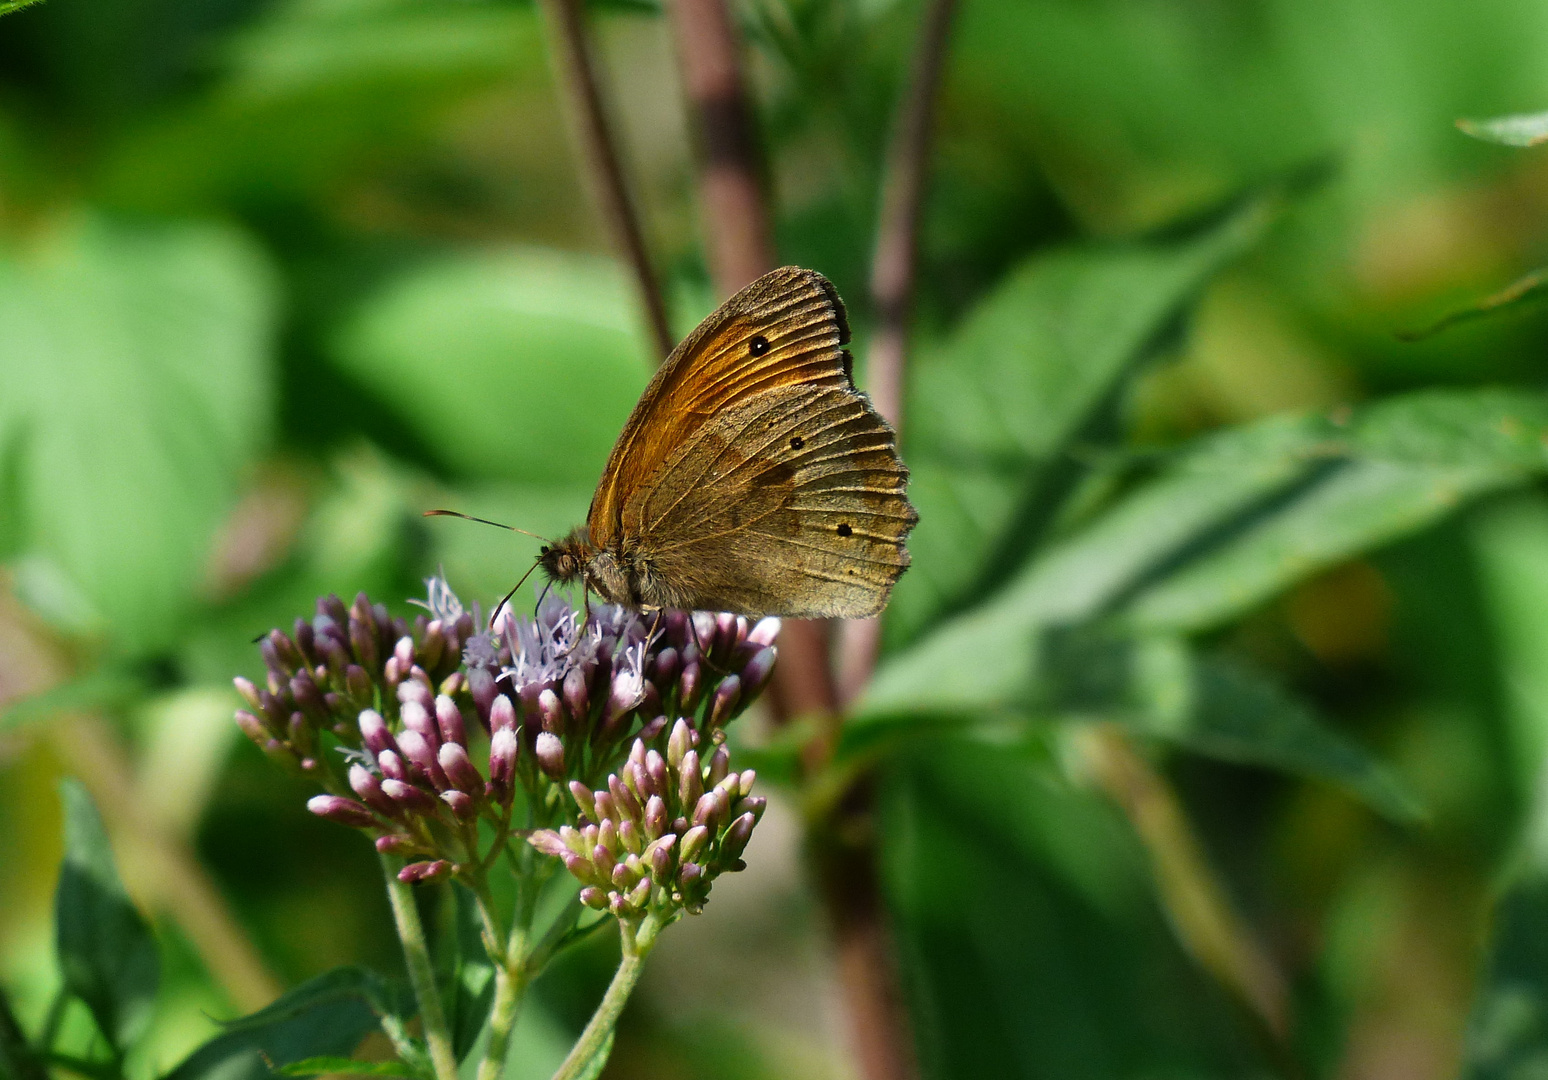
(792, 502)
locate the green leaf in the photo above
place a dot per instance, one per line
(106, 687)
(137, 389)
(519, 365)
(343, 1066)
(8, 6)
(1527, 287)
(18, 1060)
(323, 1017)
(1160, 688)
(1507, 1034)
(1491, 428)
(1356, 507)
(107, 955)
(984, 658)
(1084, 981)
(1519, 129)
(1032, 370)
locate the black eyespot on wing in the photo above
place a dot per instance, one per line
(796, 442)
(757, 344)
(844, 529)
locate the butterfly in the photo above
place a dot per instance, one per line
(752, 477)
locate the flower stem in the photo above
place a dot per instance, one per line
(416, 955)
(510, 974)
(599, 1029)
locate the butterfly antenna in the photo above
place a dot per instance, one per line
(483, 521)
(495, 614)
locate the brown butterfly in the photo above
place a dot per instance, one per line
(752, 477)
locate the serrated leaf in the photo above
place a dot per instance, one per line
(135, 361)
(323, 1017)
(343, 1066)
(107, 955)
(1518, 129)
(8, 6)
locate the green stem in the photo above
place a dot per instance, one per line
(599, 1029)
(416, 955)
(510, 985)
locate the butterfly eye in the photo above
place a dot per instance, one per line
(758, 345)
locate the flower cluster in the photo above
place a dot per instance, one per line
(660, 830)
(344, 661)
(438, 724)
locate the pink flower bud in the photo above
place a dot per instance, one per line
(502, 713)
(448, 719)
(418, 750)
(454, 762)
(576, 693)
(548, 842)
(342, 810)
(391, 765)
(374, 733)
(252, 727)
(735, 840)
(679, 743)
(416, 718)
(414, 873)
(461, 803)
(403, 653)
(366, 785)
(503, 748)
(756, 672)
(550, 712)
(655, 817)
(409, 797)
(248, 691)
(550, 754)
(765, 631)
(727, 694)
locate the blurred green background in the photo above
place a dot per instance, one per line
(277, 275)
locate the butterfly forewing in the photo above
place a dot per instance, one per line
(797, 316)
(752, 476)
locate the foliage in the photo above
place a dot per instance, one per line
(275, 277)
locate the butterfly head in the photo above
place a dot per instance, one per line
(565, 561)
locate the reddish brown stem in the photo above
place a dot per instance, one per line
(894, 269)
(731, 195)
(736, 223)
(577, 69)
